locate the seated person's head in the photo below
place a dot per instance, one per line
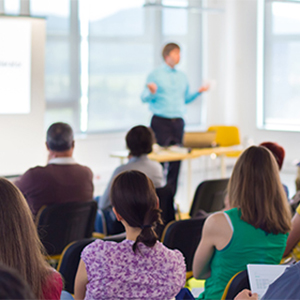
(60, 137)
(12, 286)
(135, 201)
(139, 140)
(255, 188)
(276, 150)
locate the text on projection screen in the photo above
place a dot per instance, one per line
(15, 64)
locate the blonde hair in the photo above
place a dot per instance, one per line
(21, 248)
(255, 188)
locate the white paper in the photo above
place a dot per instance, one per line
(261, 276)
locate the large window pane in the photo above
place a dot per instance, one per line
(99, 53)
(286, 18)
(175, 20)
(12, 7)
(116, 17)
(57, 69)
(117, 76)
(57, 13)
(283, 84)
(281, 89)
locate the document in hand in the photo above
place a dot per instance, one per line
(261, 276)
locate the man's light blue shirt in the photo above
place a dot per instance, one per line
(172, 93)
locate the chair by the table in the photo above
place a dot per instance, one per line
(227, 136)
(237, 283)
(209, 196)
(60, 224)
(185, 236)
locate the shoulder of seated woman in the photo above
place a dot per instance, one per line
(218, 227)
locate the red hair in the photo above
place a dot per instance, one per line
(277, 151)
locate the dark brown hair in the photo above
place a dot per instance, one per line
(276, 150)
(21, 248)
(168, 48)
(139, 140)
(134, 198)
(255, 188)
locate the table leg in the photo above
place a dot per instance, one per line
(189, 183)
(223, 166)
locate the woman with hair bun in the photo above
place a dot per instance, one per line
(140, 267)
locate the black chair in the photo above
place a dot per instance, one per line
(60, 224)
(185, 236)
(69, 261)
(209, 196)
(166, 204)
(237, 283)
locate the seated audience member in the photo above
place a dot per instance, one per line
(279, 155)
(285, 287)
(12, 286)
(294, 237)
(139, 141)
(253, 231)
(20, 245)
(62, 180)
(140, 267)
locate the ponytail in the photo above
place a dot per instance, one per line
(134, 197)
(148, 236)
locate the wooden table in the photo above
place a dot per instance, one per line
(166, 154)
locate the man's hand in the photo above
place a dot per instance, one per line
(204, 88)
(152, 87)
(245, 295)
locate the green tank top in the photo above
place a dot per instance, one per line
(248, 245)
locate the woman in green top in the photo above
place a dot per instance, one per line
(254, 231)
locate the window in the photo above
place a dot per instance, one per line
(279, 65)
(99, 53)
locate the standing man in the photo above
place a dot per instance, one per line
(167, 91)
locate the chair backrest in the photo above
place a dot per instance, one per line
(60, 224)
(185, 236)
(69, 261)
(166, 203)
(226, 135)
(209, 196)
(237, 283)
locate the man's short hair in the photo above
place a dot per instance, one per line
(60, 137)
(139, 140)
(168, 48)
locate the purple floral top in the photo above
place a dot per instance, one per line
(116, 272)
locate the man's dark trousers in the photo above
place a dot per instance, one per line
(169, 132)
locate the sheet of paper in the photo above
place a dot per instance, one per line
(261, 276)
(197, 291)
